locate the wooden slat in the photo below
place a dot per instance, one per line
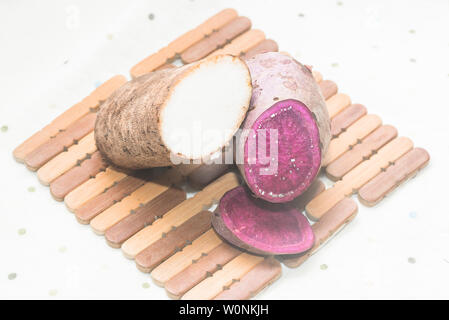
(92, 187)
(243, 43)
(317, 76)
(200, 269)
(232, 271)
(328, 88)
(65, 183)
(179, 214)
(330, 223)
(266, 45)
(216, 40)
(166, 66)
(337, 103)
(362, 151)
(258, 278)
(144, 216)
(347, 117)
(65, 139)
(355, 133)
(172, 241)
(127, 205)
(101, 202)
(183, 42)
(404, 168)
(68, 117)
(181, 260)
(66, 160)
(358, 176)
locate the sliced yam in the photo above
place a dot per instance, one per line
(179, 214)
(65, 139)
(288, 119)
(66, 160)
(65, 183)
(361, 151)
(127, 206)
(328, 88)
(354, 134)
(347, 117)
(258, 278)
(403, 168)
(242, 43)
(337, 103)
(182, 259)
(92, 188)
(68, 117)
(261, 227)
(145, 215)
(183, 42)
(216, 40)
(200, 269)
(330, 224)
(299, 156)
(154, 106)
(266, 45)
(231, 272)
(173, 240)
(357, 177)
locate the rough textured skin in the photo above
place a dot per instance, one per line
(261, 227)
(127, 130)
(277, 77)
(299, 155)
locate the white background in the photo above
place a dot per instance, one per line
(392, 56)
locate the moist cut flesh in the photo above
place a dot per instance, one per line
(261, 227)
(298, 156)
(286, 102)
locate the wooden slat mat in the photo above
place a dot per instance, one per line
(169, 236)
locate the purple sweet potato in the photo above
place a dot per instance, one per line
(287, 114)
(261, 227)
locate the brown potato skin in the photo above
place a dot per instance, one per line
(128, 125)
(127, 130)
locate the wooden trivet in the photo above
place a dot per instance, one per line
(148, 215)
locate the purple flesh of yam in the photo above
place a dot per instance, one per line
(299, 152)
(261, 227)
(286, 98)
